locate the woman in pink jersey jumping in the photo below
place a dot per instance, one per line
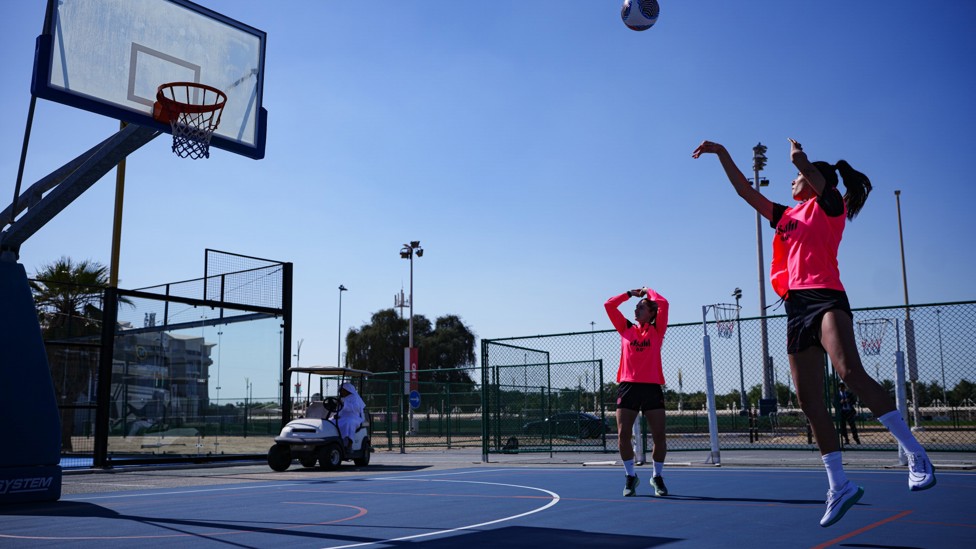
(640, 379)
(804, 273)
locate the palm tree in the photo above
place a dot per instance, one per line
(68, 296)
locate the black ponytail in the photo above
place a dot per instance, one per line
(857, 184)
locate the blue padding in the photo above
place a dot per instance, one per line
(29, 424)
(20, 484)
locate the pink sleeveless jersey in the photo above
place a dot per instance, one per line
(640, 346)
(805, 249)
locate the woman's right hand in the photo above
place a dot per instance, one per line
(707, 147)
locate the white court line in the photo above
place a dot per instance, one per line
(154, 494)
(555, 500)
(113, 485)
(411, 477)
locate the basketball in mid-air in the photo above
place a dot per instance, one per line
(639, 15)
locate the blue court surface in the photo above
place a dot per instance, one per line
(488, 506)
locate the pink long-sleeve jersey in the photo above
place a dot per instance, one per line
(640, 346)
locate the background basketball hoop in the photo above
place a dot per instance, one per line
(725, 315)
(193, 112)
(871, 332)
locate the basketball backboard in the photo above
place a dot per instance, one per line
(110, 56)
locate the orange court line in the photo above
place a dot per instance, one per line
(862, 530)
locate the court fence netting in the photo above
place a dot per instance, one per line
(565, 385)
(137, 374)
(178, 382)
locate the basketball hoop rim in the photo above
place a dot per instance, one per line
(173, 106)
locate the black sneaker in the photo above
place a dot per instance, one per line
(630, 487)
(659, 488)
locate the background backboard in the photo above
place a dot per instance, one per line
(109, 57)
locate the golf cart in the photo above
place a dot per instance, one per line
(316, 437)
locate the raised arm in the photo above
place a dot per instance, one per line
(661, 322)
(616, 317)
(742, 186)
(813, 175)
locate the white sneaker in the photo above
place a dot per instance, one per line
(839, 502)
(921, 473)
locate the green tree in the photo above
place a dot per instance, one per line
(449, 347)
(378, 346)
(446, 349)
(964, 391)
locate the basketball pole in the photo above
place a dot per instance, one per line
(900, 388)
(113, 277)
(715, 457)
(909, 325)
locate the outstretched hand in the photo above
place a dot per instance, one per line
(794, 146)
(640, 292)
(707, 147)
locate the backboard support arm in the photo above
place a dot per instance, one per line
(84, 170)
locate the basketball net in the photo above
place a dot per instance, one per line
(872, 333)
(725, 315)
(193, 112)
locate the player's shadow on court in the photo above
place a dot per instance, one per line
(533, 538)
(742, 500)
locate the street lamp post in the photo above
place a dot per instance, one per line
(298, 364)
(220, 352)
(407, 252)
(339, 345)
(737, 294)
(758, 163)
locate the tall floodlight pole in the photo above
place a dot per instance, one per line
(909, 326)
(758, 163)
(339, 346)
(407, 252)
(737, 294)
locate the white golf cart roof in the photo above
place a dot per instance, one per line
(330, 371)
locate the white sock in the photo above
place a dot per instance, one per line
(629, 467)
(835, 470)
(658, 468)
(899, 429)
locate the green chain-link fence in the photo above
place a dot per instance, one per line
(449, 415)
(546, 371)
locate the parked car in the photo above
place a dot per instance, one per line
(573, 424)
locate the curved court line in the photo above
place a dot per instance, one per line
(555, 499)
(224, 532)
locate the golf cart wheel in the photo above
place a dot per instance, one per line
(330, 456)
(279, 457)
(307, 460)
(364, 461)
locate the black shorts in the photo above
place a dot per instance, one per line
(640, 397)
(805, 310)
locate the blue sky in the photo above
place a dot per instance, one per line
(541, 153)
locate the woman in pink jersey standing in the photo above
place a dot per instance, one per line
(640, 379)
(804, 273)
